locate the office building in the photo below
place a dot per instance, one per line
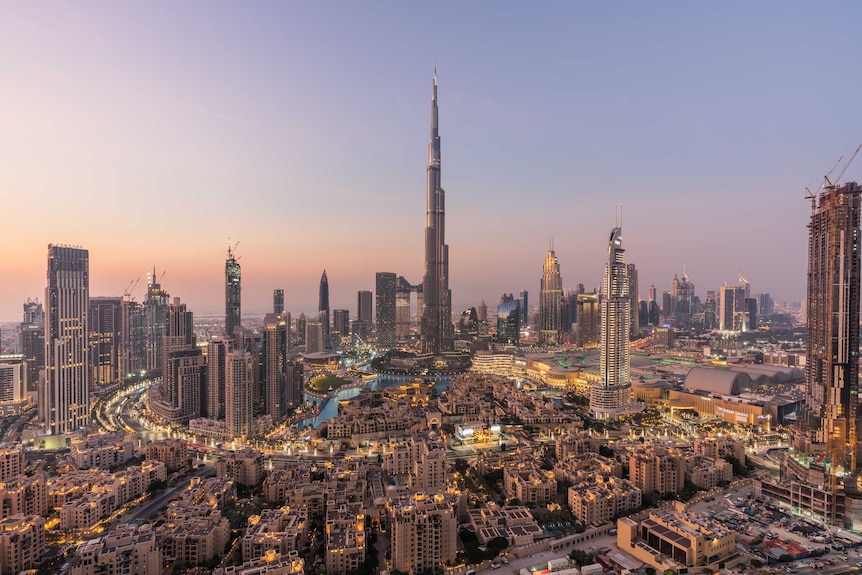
(239, 366)
(832, 347)
(437, 330)
(386, 285)
(64, 398)
(301, 322)
(278, 301)
(524, 298)
(106, 340)
(134, 352)
(551, 302)
(313, 337)
(765, 304)
(509, 321)
(13, 383)
(403, 290)
(323, 312)
(611, 396)
(364, 306)
(184, 366)
(232, 293)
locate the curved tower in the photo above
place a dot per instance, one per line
(323, 310)
(611, 397)
(437, 329)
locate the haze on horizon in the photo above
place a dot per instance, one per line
(150, 133)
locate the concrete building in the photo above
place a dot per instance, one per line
(173, 453)
(283, 531)
(238, 394)
(11, 462)
(22, 543)
(657, 469)
(244, 466)
(600, 499)
(24, 495)
(124, 550)
(385, 294)
(551, 302)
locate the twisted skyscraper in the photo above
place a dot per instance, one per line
(437, 330)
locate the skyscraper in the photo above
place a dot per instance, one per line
(232, 295)
(340, 326)
(509, 320)
(238, 394)
(155, 310)
(217, 350)
(587, 330)
(524, 296)
(385, 312)
(276, 347)
(611, 397)
(105, 323)
(323, 311)
(301, 322)
(277, 301)
(437, 329)
(551, 302)
(364, 306)
(832, 347)
(64, 398)
(633, 299)
(31, 341)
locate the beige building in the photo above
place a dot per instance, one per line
(22, 543)
(102, 451)
(529, 484)
(283, 531)
(514, 523)
(600, 499)
(125, 550)
(720, 446)
(195, 538)
(244, 466)
(673, 538)
(576, 443)
(24, 495)
(173, 453)
(345, 538)
(424, 532)
(11, 462)
(270, 564)
(657, 469)
(707, 472)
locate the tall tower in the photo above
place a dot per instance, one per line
(239, 365)
(633, 299)
(437, 330)
(386, 285)
(611, 397)
(277, 301)
(551, 302)
(363, 306)
(276, 347)
(31, 341)
(64, 398)
(832, 368)
(155, 312)
(232, 300)
(107, 337)
(323, 311)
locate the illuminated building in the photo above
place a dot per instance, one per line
(633, 301)
(323, 313)
(385, 303)
(276, 347)
(238, 393)
(64, 398)
(217, 350)
(424, 533)
(278, 301)
(832, 347)
(612, 396)
(587, 328)
(31, 340)
(363, 306)
(106, 340)
(232, 294)
(155, 313)
(509, 321)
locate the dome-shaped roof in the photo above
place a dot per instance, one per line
(714, 380)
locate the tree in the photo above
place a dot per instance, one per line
(650, 571)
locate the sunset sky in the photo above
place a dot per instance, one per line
(150, 132)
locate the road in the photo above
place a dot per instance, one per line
(142, 513)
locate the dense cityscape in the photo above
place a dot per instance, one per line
(574, 431)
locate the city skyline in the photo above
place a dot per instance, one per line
(173, 151)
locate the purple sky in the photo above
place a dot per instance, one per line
(150, 132)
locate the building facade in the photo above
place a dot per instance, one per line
(551, 302)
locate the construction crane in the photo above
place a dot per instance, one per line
(847, 165)
(231, 250)
(811, 195)
(131, 288)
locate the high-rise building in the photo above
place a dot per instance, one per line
(587, 328)
(364, 306)
(276, 347)
(437, 329)
(832, 347)
(301, 322)
(551, 302)
(278, 301)
(313, 337)
(524, 297)
(403, 289)
(183, 382)
(611, 396)
(764, 304)
(232, 293)
(731, 309)
(64, 401)
(323, 311)
(293, 381)
(134, 352)
(482, 310)
(13, 380)
(633, 301)
(217, 350)
(424, 533)
(31, 341)
(155, 313)
(106, 340)
(509, 320)
(239, 366)
(360, 332)
(386, 285)
(340, 326)
(710, 311)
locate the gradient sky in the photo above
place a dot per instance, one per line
(149, 132)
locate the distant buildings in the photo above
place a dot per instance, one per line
(386, 283)
(509, 321)
(323, 313)
(64, 398)
(232, 294)
(31, 341)
(278, 301)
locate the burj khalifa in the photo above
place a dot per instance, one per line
(437, 329)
